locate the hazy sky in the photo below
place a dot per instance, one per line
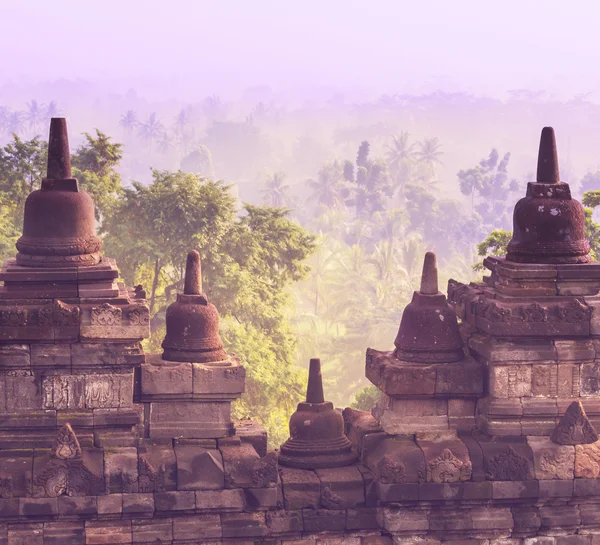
(377, 45)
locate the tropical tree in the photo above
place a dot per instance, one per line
(277, 192)
(35, 115)
(51, 111)
(400, 156)
(128, 122)
(151, 129)
(428, 156)
(329, 188)
(198, 161)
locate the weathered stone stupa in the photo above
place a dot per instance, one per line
(485, 433)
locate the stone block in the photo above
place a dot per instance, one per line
(590, 379)
(50, 356)
(121, 470)
(230, 499)
(397, 460)
(527, 521)
(556, 489)
(362, 519)
(110, 506)
(503, 490)
(554, 517)
(64, 533)
(587, 461)
(461, 407)
(111, 390)
(139, 505)
(569, 378)
(157, 468)
(25, 534)
(507, 459)
(226, 381)
(92, 355)
(199, 468)
(446, 457)
(175, 501)
(167, 380)
(284, 522)
(460, 378)
(492, 518)
(260, 499)
(15, 356)
(443, 522)
(240, 525)
(405, 521)
(202, 420)
(544, 379)
(397, 492)
(341, 488)
(77, 506)
(33, 508)
(15, 473)
(108, 532)
(301, 488)
(152, 531)
(440, 491)
(190, 529)
(477, 491)
(323, 520)
(406, 416)
(23, 393)
(552, 461)
(586, 488)
(253, 433)
(245, 469)
(510, 381)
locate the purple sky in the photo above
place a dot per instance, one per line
(379, 46)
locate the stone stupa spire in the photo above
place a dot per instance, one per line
(548, 225)
(59, 224)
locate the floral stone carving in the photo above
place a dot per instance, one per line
(391, 471)
(574, 428)
(447, 468)
(587, 461)
(508, 466)
(106, 315)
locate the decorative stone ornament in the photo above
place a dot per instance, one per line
(317, 437)
(428, 330)
(59, 224)
(192, 322)
(548, 225)
(574, 428)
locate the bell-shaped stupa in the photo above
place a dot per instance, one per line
(548, 225)
(429, 330)
(317, 437)
(193, 322)
(59, 224)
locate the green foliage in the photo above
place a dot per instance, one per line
(366, 399)
(22, 167)
(95, 166)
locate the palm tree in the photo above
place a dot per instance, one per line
(164, 142)
(128, 121)
(428, 155)
(151, 129)
(277, 191)
(15, 123)
(328, 188)
(4, 115)
(52, 111)
(400, 156)
(36, 113)
(182, 121)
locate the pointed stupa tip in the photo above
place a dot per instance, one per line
(429, 278)
(314, 391)
(193, 274)
(547, 170)
(59, 158)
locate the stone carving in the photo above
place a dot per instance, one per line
(391, 471)
(447, 468)
(139, 315)
(535, 313)
(234, 373)
(139, 292)
(508, 466)
(101, 391)
(151, 479)
(66, 315)
(106, 315)
(264, 471)
(574, 312)
(46, 316)
(557, 464)
(13, 317)
(331, 500)
(587, 461)
(6, 487)
(574, 428)
(128, 481)
(66, 446)
(492, 311)
(66, 475)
